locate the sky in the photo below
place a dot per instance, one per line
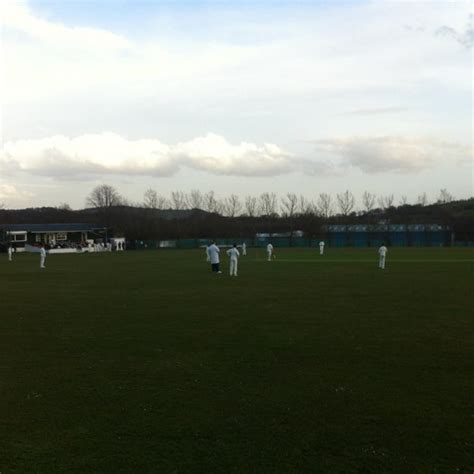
(235, 97)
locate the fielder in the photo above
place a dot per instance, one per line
(321, 247)
(382, 252)
(234, 255)
(269, 251)
(244, 249)
(10, 253)
(213, 252)
(42, 256)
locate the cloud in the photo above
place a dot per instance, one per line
(465, 38)
(377, 111)
(9, 192)
(16, 15)
(109, 154)
(388, 153)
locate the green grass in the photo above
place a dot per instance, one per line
(145, 362)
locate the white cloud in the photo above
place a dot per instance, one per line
(391, 153)
(9, 192)
(109, 153)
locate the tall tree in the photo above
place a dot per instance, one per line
(210, 202)
(289, 205)
(150, 199)
(232, 206)
(251, 206)
(325, 205)
(403, 201)
(268, 204)
(178, 200)
(422, 199)
(368, 201)
(103, 196)
(195, 199)
(346, 202)
(386, 201)
(445, 196)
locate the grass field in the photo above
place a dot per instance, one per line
(145, 362)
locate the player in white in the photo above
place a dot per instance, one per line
(10, 253)
(321, 247)
(269, 251)
(382, 253)
(213, 252)
(234, 255)
(244, 249)
(42, 256)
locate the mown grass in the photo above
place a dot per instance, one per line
(146, 362)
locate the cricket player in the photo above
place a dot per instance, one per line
(269, 251)
(10, 253)
(234, 255)
(213, 252)
(382, 252)
(42, 256)
(321, 247)
(244, 248)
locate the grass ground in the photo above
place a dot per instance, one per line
(145, 362)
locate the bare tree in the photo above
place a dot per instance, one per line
(346, 202)
(386, 201)
(150, 199)
(445, 196)
(289, 205)
(195, 199)
(178, 200)
(422, 199)
(103, 196)
(162, 203)
(232, 205)
(251, 206)
(305, 206)
(368, 200)
(268, 204)
(325, 205)
(209, 202)
(64, 206)
(403, 201)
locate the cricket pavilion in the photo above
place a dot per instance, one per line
(61, 237)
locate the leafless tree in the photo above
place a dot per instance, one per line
(403, 200)
(268, 204)
(195, 199)
(251, 206)
(386, 201)
(368, 200)
(346, 202)
(305, 206)
(325, 205)
(178, 200)
(162, 203)
(64, 206)
(289, 205)
(150, 199)
(445, 196)
(103, 196)
(209, 202)
(232, 206)
(422, 199)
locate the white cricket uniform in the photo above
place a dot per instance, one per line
(321, 247)
(213, 252)
(10, 254)
(269, 251)
(234, 255)
(244, 249)
(382, 252)
(42, 257)
(208, 257)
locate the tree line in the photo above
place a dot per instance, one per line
(266, 204)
